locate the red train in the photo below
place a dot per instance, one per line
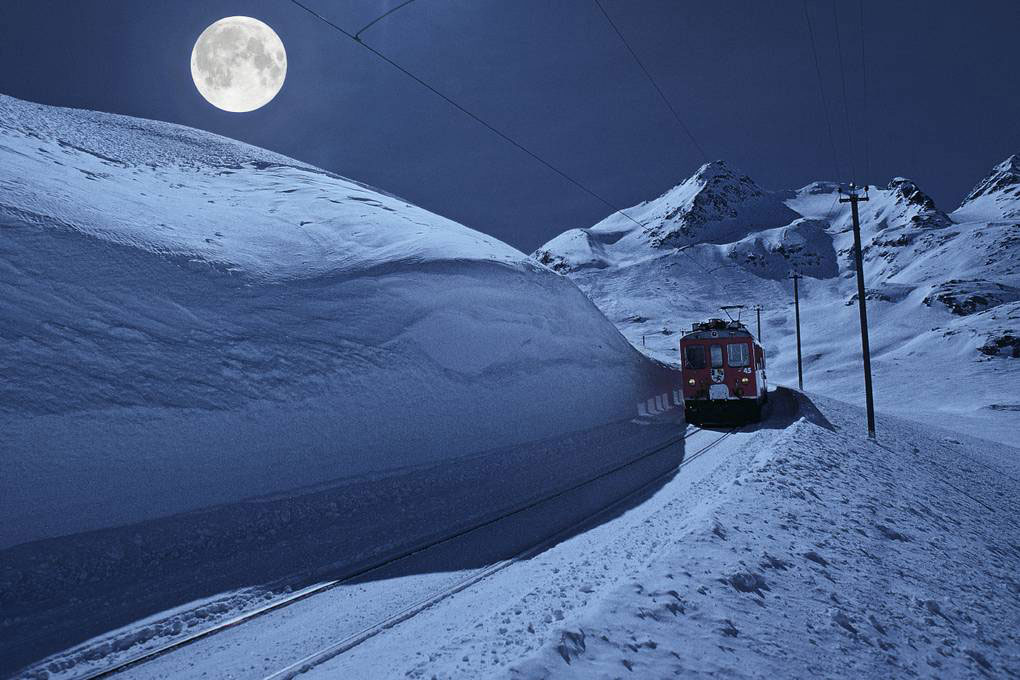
(723, 373)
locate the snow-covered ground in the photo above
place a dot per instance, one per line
(189, 323)
(943, 289)
(228, 374)
(822, 554)
(797, 548)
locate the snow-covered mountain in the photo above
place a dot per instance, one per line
(189, 320)
(944, 288)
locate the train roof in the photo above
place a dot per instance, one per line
(718, 328)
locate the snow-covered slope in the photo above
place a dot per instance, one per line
(795, 548)
(943, 289)
(188, 320)
(813, 554)
(715, 205)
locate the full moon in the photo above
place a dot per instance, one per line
(238, 64)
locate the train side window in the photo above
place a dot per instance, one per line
(737, 355)
(695, 356)
(716, 351)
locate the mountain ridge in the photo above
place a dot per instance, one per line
(942, 286)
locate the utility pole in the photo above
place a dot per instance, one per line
(796, 305)
(853, 198)
(757, 309)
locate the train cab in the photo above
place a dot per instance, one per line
(723, 373)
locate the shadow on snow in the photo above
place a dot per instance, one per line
(57, 593)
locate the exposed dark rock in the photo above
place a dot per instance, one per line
(1006, 344)
(967, 296)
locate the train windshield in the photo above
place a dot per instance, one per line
(716, 351)
(737, 355)
(695, 355)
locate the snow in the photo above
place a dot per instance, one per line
(942, 287)
(179, 301)
(328, 532)
(794, 548)
(231, 375)
(822, 555)
(190, 323)
(996, 196)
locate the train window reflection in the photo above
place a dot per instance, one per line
(737, 355)
(716, 351)
(695, 355)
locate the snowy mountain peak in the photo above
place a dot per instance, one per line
(919, 206)
(699, 209)
(718, 171)
(717, 204)
(910, 192)
(995, 197)
(717, 189)
(1004, 178)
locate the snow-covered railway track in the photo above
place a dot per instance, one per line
(350, 641)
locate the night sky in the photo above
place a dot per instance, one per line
(943, 98)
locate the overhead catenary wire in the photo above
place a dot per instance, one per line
(502, 135)
(846, 103)
(651, 80)
(821, 92)
(467, 112)
(373, 22)
(864, 101)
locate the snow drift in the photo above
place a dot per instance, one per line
(223, 367)
(943, 288)
(189, 320)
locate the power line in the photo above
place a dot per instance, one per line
(373, 22)
(846, 105)
(652, 81)
(502, 135)
(821, 92)
(479, 120)
(864, 100)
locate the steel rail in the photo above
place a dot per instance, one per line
(149, 655)
(346, 644)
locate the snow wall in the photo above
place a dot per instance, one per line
(190, 321)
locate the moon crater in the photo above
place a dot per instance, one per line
(238, 64)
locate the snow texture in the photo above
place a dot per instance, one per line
(943, 289)
(189, 322)
(173, 301)
(793, 548)
(822, 554)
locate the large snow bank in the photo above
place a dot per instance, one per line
(189, 320)
(822, 554)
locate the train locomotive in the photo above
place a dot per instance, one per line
(723, 373)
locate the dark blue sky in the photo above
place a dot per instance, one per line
(943, 93)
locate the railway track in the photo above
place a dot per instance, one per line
(339, 647)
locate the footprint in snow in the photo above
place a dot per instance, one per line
(816, 558)
(891, 534)
(747, 582)
(770, 562)
(844, 621)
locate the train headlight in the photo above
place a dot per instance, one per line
(744, 380)
(690, 381)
